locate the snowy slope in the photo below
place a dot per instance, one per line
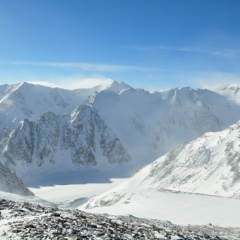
(10, 183)
(25, 199)
(208, 165)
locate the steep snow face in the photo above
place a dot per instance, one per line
(10, 183)
(61, 143)
(113, 86)
(151, 124)
(207, 165)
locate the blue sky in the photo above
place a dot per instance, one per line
(151, 44)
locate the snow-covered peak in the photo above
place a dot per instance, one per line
(28, 101)
(114, 86)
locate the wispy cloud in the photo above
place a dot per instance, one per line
(83, 66)
(5, 103)
(213, 80)
(71, 82)
(223, 52)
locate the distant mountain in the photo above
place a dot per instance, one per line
(10, 183)
(208, 165)
(51, 131)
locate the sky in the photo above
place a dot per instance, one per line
(150, 44)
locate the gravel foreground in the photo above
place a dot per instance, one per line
(27, 221)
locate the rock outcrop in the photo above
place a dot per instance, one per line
(36, 222)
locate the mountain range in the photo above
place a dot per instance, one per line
(111, 130)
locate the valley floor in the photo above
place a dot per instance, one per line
(178, 208)
(68, 195)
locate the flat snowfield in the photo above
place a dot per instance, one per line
(179, 208)
(61, 194)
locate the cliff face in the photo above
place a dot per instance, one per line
(82, 136)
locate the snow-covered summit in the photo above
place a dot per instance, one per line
(112, 85)
(29, 101)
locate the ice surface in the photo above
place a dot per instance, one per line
(178, 208)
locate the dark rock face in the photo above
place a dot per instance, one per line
(20, 146)
(9, 182)
(78, 134)
(37, 222)
(46, 137)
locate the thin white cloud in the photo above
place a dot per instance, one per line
(71, 82)
(216, 79)
(44, 83)
(5, 104)
(224, 52)
(83, 66)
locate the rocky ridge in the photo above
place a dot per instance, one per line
(27, 221)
